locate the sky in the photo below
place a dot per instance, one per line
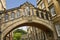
(24, 28)
(15, 3)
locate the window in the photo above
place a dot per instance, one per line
(49, 1)
(6, 17)
(28, 10)
(18, 14)
(12, 15)
(42, 5)
(58, 29)
(52, 10)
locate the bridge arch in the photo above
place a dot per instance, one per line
(38, 18)
(31, 21)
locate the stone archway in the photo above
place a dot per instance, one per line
(36, 23)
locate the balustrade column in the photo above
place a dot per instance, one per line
(42, 15)
(37, 13)
(47, 15)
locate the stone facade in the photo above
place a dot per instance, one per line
(34, 33)
(2, 4)
(54, 7)
(38, 34)
(45, 16)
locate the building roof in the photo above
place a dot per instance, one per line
(26, 3)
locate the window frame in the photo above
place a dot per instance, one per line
(53, 13)
(12, 13)
(42, 5)
(28, 10)
(17, 14)
(6, 17)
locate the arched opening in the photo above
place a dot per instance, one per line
(45, 29)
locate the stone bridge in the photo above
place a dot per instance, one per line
(25, 15)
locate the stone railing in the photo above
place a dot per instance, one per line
(5, 17)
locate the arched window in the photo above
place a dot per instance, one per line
(18, 13)
(28, 10)
(12, 15)
(52, 10)
(6, 17)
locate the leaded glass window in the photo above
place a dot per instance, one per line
(28, 10)
(12, 15)
(18, 14)
(6, 17)
(52, 10)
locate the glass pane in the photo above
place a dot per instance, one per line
(37, 13)
(6, 17)
(18, 14)
(28, 10)
(52, 10)
(12, 15)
